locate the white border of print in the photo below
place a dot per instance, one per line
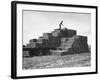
(36, 72)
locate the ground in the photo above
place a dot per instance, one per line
(73, 60)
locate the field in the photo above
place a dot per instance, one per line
(73, 60)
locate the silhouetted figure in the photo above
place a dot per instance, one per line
(61, 23)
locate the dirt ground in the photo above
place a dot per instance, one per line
(41, 62)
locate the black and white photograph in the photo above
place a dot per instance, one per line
(54, 39)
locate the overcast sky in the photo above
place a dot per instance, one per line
(35, 23)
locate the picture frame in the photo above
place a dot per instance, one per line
(38, 11)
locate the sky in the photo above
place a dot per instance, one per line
(35, 23)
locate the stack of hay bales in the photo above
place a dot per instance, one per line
(64, 41)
